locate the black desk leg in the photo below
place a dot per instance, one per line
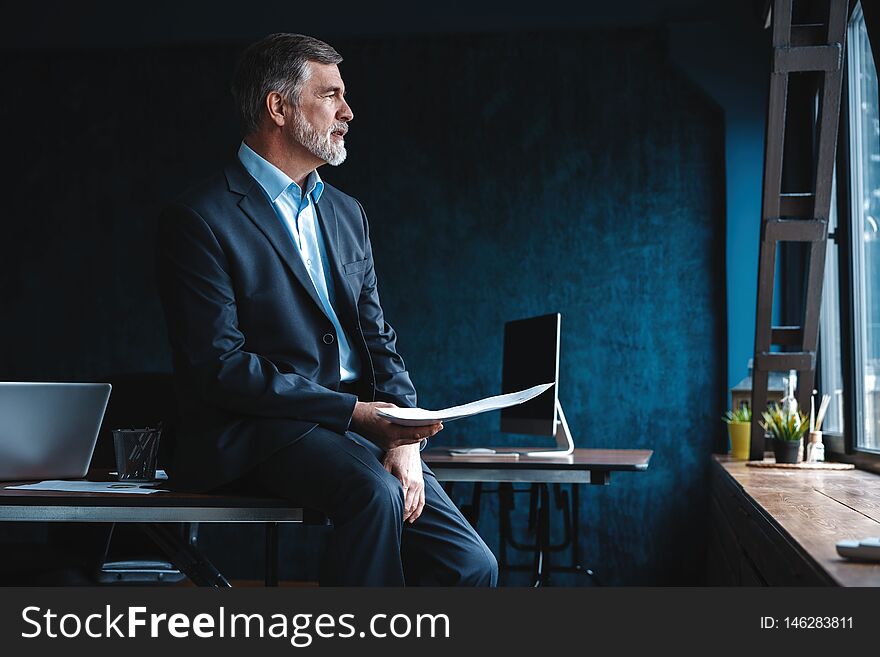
(575, 526)
(540, 510)
(271, 554)
(505, 504)
(576, 537)
(99, 566)
(187, 558)
(542, 536)
(472, 511)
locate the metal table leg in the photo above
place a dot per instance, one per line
(271, 554)
(187, 558)
(576, 537)
(542, 536)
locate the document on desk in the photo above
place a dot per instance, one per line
(122, 487)
(417, 417)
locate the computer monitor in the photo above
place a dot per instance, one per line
(531, 357)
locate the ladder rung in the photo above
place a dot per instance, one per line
(795, 230)
(788, 336)
(807, 58)
(809, 34)
(796, 205)
(801, 361)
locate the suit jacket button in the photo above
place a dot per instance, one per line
(328, 338)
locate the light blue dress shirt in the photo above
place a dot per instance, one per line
(297, 213)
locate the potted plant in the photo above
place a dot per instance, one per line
(739, 426)
(787, 426)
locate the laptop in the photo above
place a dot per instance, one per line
(49, 430)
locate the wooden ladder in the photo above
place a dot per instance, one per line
(796, 217)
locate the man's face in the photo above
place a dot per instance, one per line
(321, 117)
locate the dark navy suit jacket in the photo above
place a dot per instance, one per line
(256, 360)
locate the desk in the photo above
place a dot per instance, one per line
(152, 510)
(584, 466)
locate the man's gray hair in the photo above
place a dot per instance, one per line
(275, 63)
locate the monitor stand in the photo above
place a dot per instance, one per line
(564, 442)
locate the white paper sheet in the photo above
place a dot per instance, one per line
(123, 487)
(161, 475)
(418, 417)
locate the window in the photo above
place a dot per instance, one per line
(852, 269)
(830, 366)
(864, 165)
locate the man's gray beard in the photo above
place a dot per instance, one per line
(319, 145)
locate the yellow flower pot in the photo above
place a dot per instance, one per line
(739, 439)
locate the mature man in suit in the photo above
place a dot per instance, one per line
(281, 352)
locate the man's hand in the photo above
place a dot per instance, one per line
(367, 422)
(406, 464)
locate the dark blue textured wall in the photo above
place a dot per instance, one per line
(504, 177)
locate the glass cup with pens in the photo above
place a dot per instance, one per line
(136, 452)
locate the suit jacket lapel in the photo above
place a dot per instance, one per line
(259, 210)
(329, 223)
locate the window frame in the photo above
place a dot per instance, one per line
(845, 447)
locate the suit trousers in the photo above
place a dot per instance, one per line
(343, 477)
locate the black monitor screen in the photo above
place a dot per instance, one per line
(531, 357)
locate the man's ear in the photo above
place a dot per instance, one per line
(277, 110)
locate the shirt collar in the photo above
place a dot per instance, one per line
(273, 180)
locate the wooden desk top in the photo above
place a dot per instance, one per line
(584, 466)
(817, 508)
(581, 459)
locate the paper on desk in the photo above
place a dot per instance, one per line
(124, 487)
(161, 475)
(417, 417)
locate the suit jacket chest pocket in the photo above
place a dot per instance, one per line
(355, 267)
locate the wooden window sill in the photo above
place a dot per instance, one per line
(786, 523)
